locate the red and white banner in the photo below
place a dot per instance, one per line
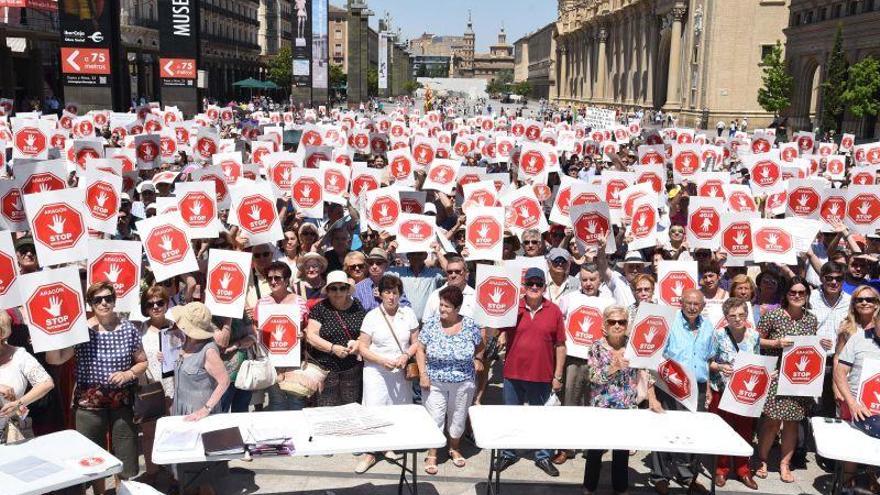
(279, 328)
(227, 282)
(307, 191)
(10, 296)
(230, 163)
(803, 368)
(279, 171)
(765, 170)
(643, 225)
(335, 178)
(383, 209)
(497, 296)
(748, 385)
(863, 209)
(30, 139)
(58, 223)
(648, 334)
(591, 224)
(53, 305)
(674, 277)
(869, 385)
(479, 195)
(583, 322)
(415, 233)
(484, 234)
(197, 204)
(679, 382)
(534, 162)
(739, 198)
(804, 198)
(441, 175)
(832, 209)
(736, 238)
(772, 242)
(363, 179)
(12, 214)
(401, 166)
(102, 200)
(704, 222)
(253, 210)
(117, 262)
(523, 211)
(686, 161)
(167, 244)
(148, 151)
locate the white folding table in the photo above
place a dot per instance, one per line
(80, 461)
(583, 428)
(412, 430)
(841, 442)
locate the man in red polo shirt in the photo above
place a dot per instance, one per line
(535, 359)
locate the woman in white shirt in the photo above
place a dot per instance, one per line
(388, 339)
(18, 369)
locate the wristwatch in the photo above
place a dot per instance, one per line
(557, 378)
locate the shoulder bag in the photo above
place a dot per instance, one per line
(256, 372)
(411, 370)
(149, 400)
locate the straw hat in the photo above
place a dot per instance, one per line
(194, 320)
(312, 256)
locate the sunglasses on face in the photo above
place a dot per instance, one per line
(797, 293)
(360, 266)
(531, 242)
(869, 300)
(308, 233)
(612, 323)
(533, 283)
(736, 317)
(833, 278)
(156, 304)
(559, 262)
(109, 299)
(275, 278)
(337, 288)
(264, 254)
(376, 262)
(454, 272)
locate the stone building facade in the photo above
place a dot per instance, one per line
(231, 48)
(697, 59)
(499, 58)
(809, 40)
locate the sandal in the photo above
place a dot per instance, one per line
(785, 474)
(457, 458)
(431, 468)
(366, 463)
(761, 472)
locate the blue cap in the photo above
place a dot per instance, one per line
(534, 272)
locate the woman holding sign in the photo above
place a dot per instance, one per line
(615, 386)
(792, 318)
(734, 338)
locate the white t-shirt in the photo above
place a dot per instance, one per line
(382, 343)
(21, 370)
(467, 304)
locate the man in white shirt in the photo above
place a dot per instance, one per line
(456, 276)
(830, 304)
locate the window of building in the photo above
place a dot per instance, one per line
(808, 17)
(836, 11)
(823, 14)
(766, 50)
(852, 8)
(338, 34)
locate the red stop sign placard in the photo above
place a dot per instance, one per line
(116, 268)
(279, 334)
(644, 219)
(363, 183)
(54, 307)
(442, 174)
(306, 192)
(101, 200)
(649, 336)
(226, 282)
(749, 384)
(166, 245)
(527, 212)
(673, 285)
(736, 238)
(585, 325)
(497, 296)
(256, 214)
(773, 240)
(42, 182)
(802, 365)
(803, 201)
(532, 162)
(415, 230)
(8, 273)
(484, 232)
(12, 207)
(384, 212)
(30, 141)
(704, 222)
(869, 394)
(864, 209)
(676, 379)
(591, 227)
(196, 209)
(58, 226)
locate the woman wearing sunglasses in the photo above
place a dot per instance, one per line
(790, 319)
(333, 331)
(107, 368)
(864, 305)
(154, 305)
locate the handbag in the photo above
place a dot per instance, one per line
(256, 372)
(411, 370)
(18, 429)
(305, 381)
(149, 401)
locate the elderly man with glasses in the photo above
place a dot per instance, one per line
(366, 291)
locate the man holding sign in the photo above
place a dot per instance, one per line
(691, 345)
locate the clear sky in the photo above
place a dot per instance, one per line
(449, 17)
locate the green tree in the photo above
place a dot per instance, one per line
(338, 78)
(775, 96)
(862, 86)
(373, 82)
(523, 88)
(834, 85)
(281, 67)
(411, 85)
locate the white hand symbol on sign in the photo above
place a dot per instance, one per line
(57, 224)
(113, 273)
(54, 308)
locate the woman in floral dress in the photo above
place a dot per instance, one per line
(616, 386)
(792, 318)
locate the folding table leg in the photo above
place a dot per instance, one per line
(414, 485)
(712, 474)
(493, 486)
(837, 479)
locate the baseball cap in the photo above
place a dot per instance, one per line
(556, 253)
(534, 272)
(27, 240)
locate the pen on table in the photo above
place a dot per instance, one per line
(310, 438)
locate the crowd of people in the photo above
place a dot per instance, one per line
(383, 328)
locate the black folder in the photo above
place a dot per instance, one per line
(227, 441)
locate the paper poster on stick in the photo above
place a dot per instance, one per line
(803, 367)
(197, 204)
(227, 282)
(279, 326)
(748, 385)
(497, 295)
(117, 262)
(648, 334)
(674, 278)
(53, 305)
(484, 234)
(57, 221)
(679, 382)
(415, 233)
(167, 245)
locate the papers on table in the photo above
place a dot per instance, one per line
(178, 440)
(348, 420)
(29, 469)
